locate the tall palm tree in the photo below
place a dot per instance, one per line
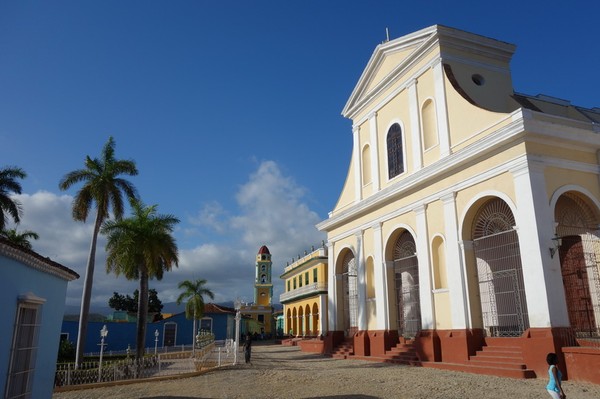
(141, 247)
(21, 238)
(102, 186)
(9, 184)
(194, 292)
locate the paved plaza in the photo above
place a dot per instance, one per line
(286, 372)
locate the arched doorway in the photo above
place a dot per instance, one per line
(406, 285)
(499, 270)
(579, 252)
(350, 292)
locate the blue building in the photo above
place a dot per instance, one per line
(173, 331)
(33, 300)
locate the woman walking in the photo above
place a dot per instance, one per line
(554, 386)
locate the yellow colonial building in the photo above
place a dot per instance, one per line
(305, 297)
(469, 219)
(261, 311)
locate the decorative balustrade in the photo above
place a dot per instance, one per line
(313, 288)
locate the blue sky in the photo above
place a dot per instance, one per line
(231, 110)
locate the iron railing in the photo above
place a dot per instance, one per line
(216, 354)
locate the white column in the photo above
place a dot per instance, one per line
(374, 152)
(542, 276)
(357, 164)
(380, 276)
(323, 314)
(425, 289)
(415, 125)
(331, 289)
(465, 246)
(362, 285)
(441, 108)
(455, 265)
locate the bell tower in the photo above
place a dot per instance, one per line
(263, 286)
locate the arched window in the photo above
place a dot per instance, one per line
(395, 151)
(430, 138)
(366, 165)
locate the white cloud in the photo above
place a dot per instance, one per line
(272, 211)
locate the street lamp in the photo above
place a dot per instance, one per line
(155, 341)
(236, 346)
(103, 334)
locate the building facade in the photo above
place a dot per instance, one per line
(164, 335)
(305, 295)
(470, 213)
(261, 311)
(33, 296)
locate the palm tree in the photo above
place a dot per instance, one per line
(141, 247)
(194, 292)
(9, 184)
(21, 238)
(103, 187)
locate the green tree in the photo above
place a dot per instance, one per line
(141, 247)
(21, 239)
(102, 186)
(10, 207)
(194, 292)
(129, 304)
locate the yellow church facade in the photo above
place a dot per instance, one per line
(304, 298)
(470, 214)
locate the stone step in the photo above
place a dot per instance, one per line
(486, 370)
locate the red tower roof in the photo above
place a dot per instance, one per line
(264, 250)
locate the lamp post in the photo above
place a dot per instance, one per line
(103, 334)
(236, 346)
(155, 341)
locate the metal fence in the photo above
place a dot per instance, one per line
(216, 354)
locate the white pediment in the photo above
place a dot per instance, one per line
(386, 64)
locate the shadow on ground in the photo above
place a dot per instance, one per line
(311, 397)
(344, 396)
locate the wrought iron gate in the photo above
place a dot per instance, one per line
(406, 276)
(501, 288)
(579, 266)
(350, 289)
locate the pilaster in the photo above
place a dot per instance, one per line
(331, 289)
(356, 155)
(542, 277)
(374, 152)
(441, 108)
(362, 285)
(380, 275)
(415, 126)
(455, 265)
(425, 293)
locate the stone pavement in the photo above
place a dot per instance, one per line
(286, 372)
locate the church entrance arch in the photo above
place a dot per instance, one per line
(499, 270)
(579, 253)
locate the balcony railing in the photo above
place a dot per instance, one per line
(313, 288)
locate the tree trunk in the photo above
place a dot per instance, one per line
(142, 314)
(84, 312)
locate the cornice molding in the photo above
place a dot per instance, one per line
(422, 177)
(49, 267)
